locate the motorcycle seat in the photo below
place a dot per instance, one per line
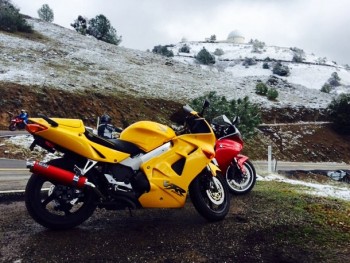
(115, 144)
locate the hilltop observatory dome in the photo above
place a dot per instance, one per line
(235, 37)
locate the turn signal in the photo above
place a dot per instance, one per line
(34, 128)
(208, 153)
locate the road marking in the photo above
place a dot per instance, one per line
(14, 169)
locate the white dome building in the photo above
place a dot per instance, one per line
(235, 37)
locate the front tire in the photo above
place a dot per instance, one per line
(58, 206)
(12, 127)
(210, 196)
(239, 182)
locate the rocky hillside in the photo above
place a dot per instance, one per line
(60, 73)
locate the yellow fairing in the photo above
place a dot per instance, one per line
(70, 135)
(147, 135)
(169, 187)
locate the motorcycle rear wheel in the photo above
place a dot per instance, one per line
(210, 196)
(56, 206)
(240, 183)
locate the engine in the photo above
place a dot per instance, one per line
(125, 179)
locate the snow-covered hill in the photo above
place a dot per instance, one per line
(58, 57)
(312, 72)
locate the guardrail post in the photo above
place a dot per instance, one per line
(269, 159)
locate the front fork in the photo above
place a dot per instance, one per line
(213, 168)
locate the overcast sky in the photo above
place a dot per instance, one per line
(316, 26)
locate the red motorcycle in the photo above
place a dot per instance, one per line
(16, 123)
(239, 172)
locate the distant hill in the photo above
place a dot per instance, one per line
(60, 73)
(57, 57)
(306, 69)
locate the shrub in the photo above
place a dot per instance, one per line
(281, 70)
(261, 89)
(339, 111)
(249, 62)
(257, 46)
(326, 88)
(205, 57)
(45, 13)
(272, 94)
(298, 54)
(98, 27)
(163, 50)
(248, 112)
(218, 52)
(334, 80)
(184, 49)
(265, 65)
(80, 25)
(11, 20)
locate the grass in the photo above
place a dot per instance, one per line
(301, 226)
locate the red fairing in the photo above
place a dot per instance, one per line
(58, 175)
(225, 150)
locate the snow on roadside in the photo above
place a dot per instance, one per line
(325, 190)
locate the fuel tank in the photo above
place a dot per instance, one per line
(147, 135)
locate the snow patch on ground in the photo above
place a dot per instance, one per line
(325, 190)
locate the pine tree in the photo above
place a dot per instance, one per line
(248, 112)
(205, 57)
(46, 13)
(101, 28)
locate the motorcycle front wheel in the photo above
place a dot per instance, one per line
(55, 206)
(210, 196)
(12, 127)
(240, 182)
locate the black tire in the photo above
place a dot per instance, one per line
(240, 183)
(12, 127)
(61, 207)
(211, 203)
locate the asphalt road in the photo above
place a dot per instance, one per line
(14, 174)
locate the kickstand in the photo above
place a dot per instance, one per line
(130, 212)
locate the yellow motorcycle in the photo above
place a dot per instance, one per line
(148, 166)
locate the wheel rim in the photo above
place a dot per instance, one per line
(216, 192)
(238, 181)
(59, 200)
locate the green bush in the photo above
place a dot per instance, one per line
(261, 89)
(249, 62)
(326, 88)
(11, 20)
(205, 57)
(184, 49)
(218, 52)
(163, 50)
(266, 65)
(339, 111)
(99, 27)
(280, 70)
(272, 94)
(248, 112)
(334, 80)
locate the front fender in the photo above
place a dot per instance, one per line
(213, 168)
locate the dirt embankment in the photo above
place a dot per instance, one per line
(308, 141)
